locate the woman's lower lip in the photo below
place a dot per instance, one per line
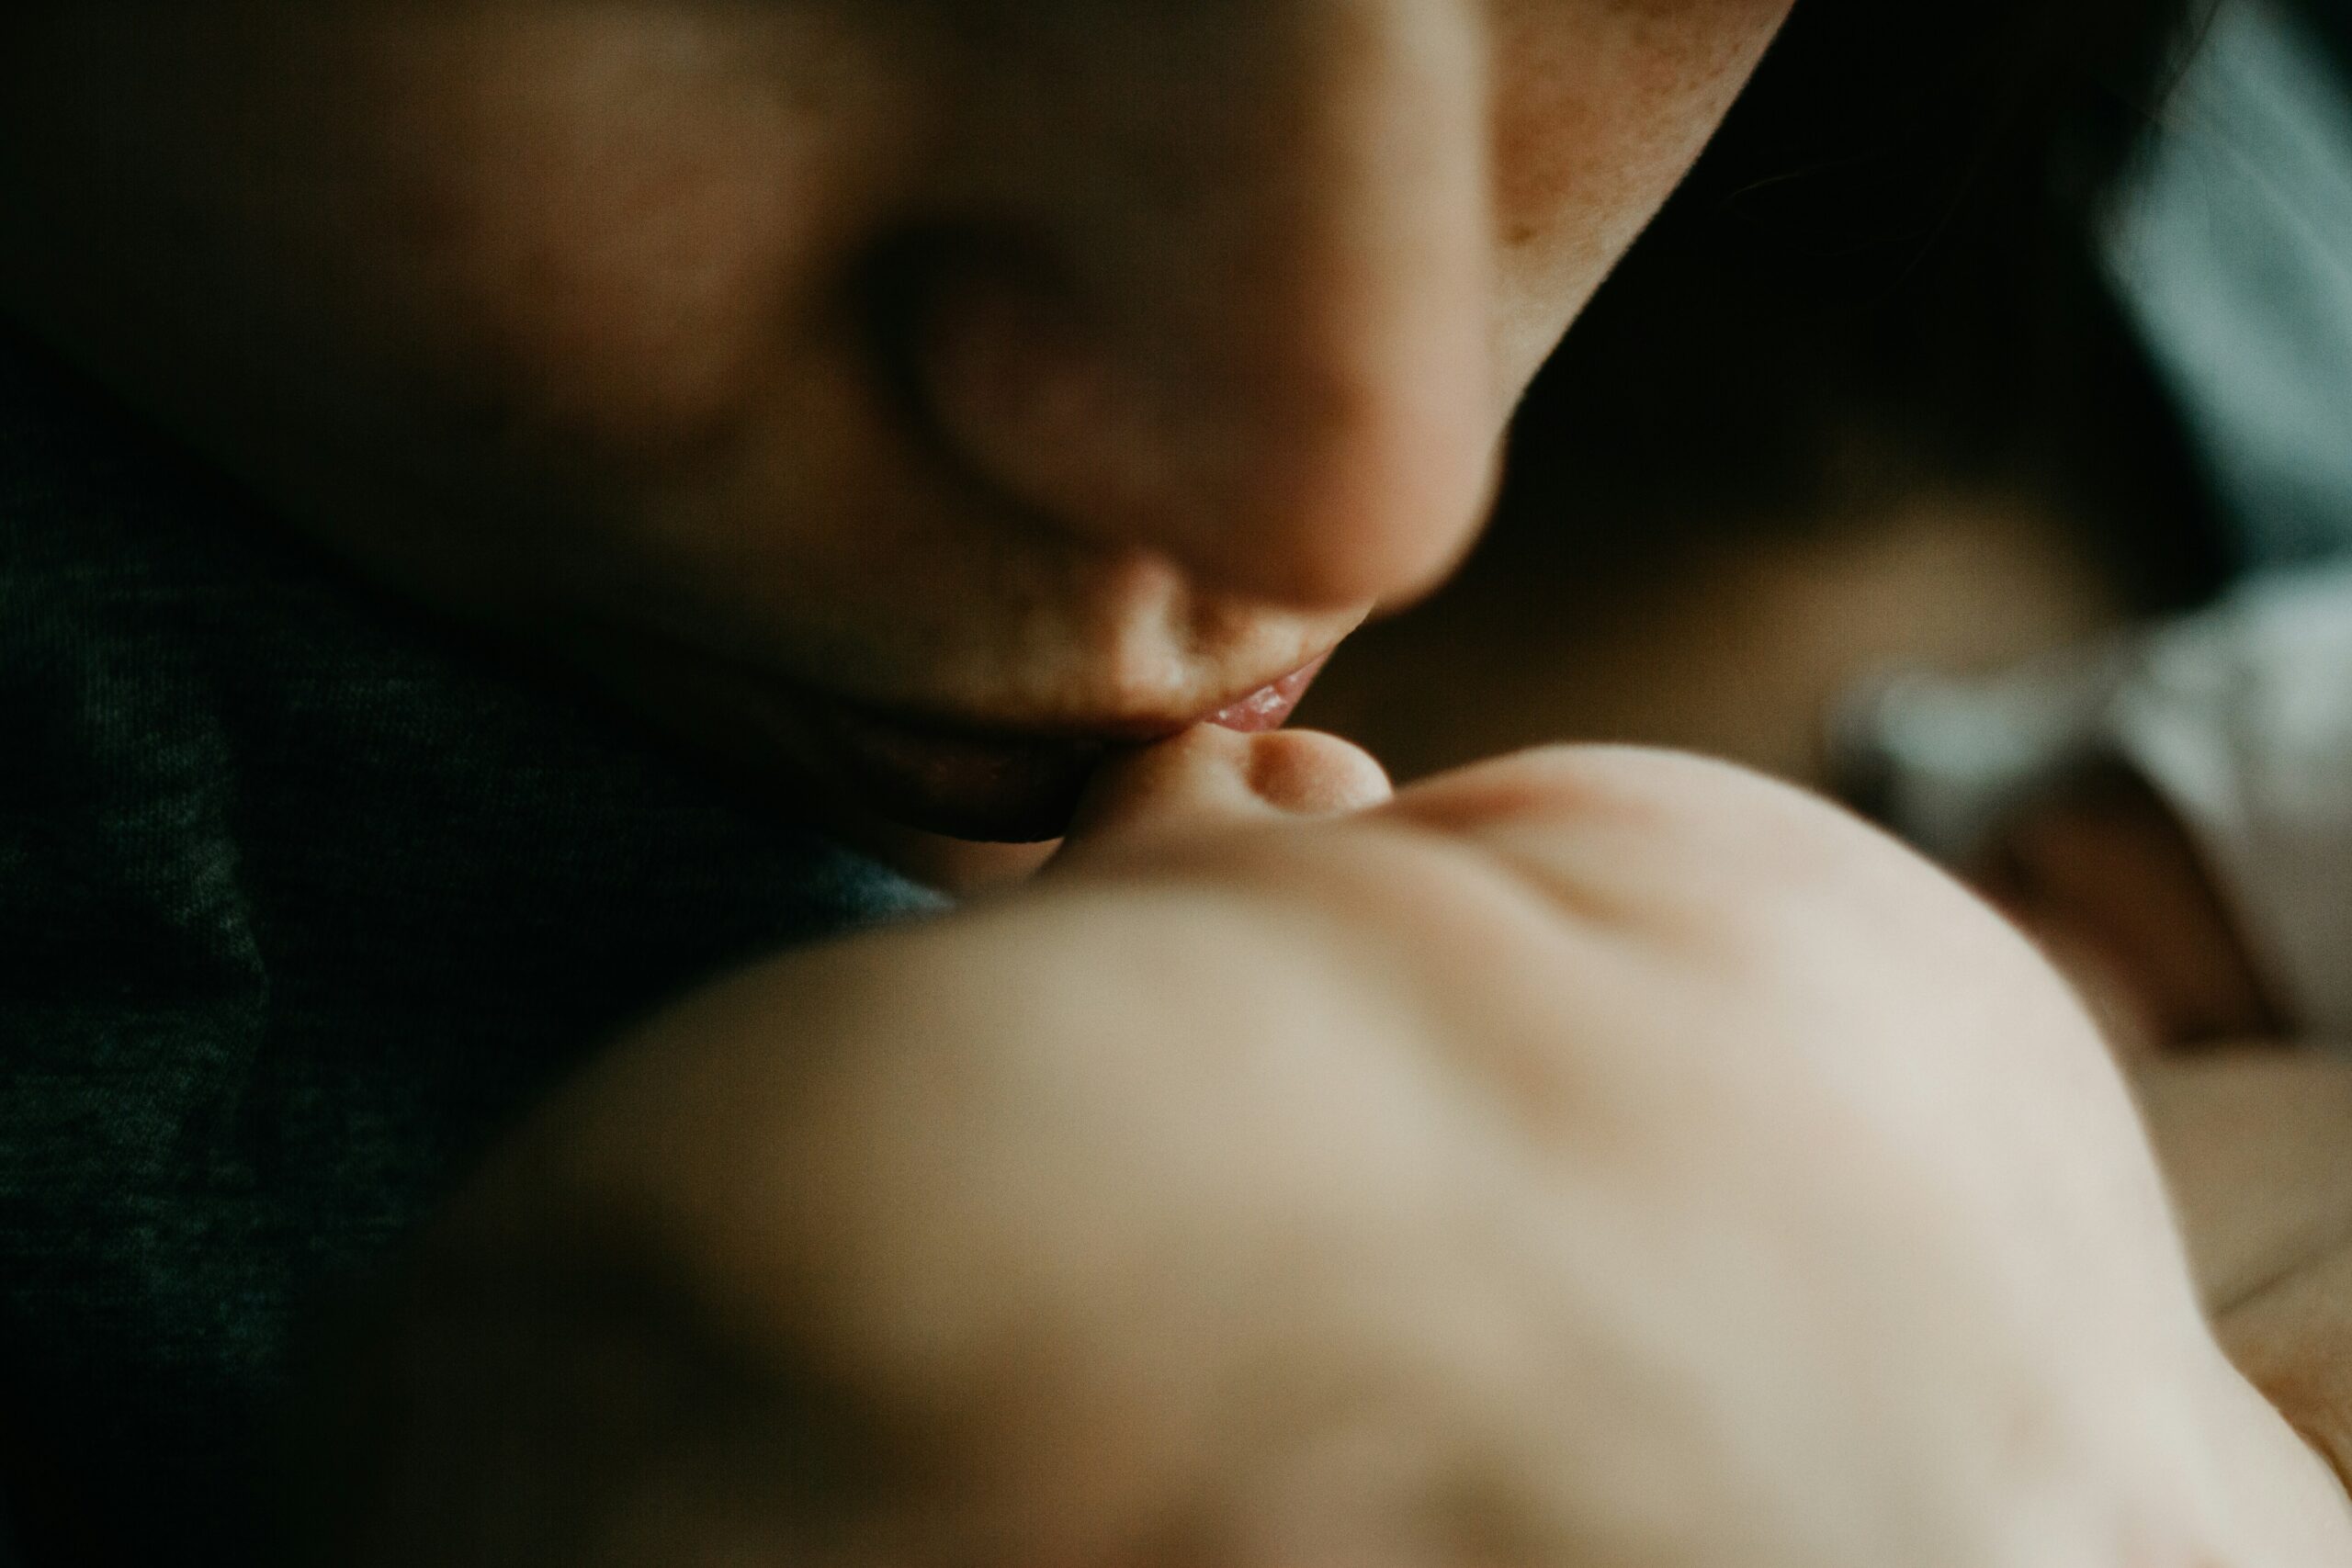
(1007, 788)
(1001, 791)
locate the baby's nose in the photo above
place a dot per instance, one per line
(1233, 299)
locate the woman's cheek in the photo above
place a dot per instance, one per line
(1601, 108)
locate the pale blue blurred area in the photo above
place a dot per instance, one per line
(2234, 256)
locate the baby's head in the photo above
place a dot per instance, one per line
(912, 395)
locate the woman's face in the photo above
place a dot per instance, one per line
(916, 395)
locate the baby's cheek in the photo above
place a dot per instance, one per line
(1783, 932)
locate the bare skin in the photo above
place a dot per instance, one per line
(2102, 875)
(1592, 1158)
(2253, 1141)
(1061, 370)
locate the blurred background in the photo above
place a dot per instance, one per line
(1966, 342)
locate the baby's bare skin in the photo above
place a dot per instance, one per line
(1596, 1157)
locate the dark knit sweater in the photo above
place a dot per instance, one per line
(300, 901)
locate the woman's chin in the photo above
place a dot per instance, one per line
(958, 867)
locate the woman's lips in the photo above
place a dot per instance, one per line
(1269, 707)
(1005, 787)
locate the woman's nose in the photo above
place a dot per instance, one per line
(1228, 295)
